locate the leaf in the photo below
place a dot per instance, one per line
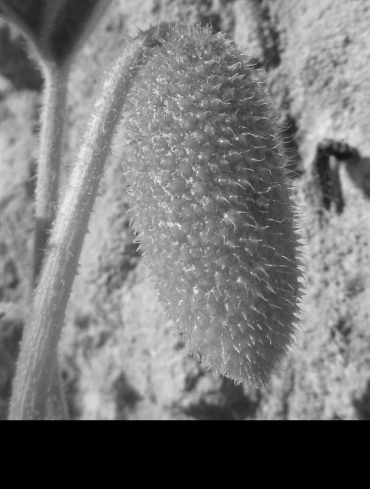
(55, 29)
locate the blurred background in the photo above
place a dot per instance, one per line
(119, 356)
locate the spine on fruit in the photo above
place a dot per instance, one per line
(211, 204)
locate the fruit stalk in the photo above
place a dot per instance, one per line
(51, 140)
(34, 387)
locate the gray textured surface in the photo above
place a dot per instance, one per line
(120, 357)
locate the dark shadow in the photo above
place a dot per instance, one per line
(30, 183)
(126, 397)
(362, 405)
(11, 329)
(359, 171)
(270, 39)
(10, 274)
(208, 16)
(329, 155)
(71, 387)
(288, 133)
(229, 403)
(211, 19)
(15, 63)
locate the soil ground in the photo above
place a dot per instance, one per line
(119, 356)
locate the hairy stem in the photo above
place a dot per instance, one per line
(37, 364)
(51, 139)
(52, 124)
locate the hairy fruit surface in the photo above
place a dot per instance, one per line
(211, 205)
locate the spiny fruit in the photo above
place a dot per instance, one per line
(211, 205)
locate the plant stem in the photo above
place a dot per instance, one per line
(34, 381)
(50, 149)
(52, 124)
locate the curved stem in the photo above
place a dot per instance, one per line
(37, 364)
(52, 124)
(51, 140)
